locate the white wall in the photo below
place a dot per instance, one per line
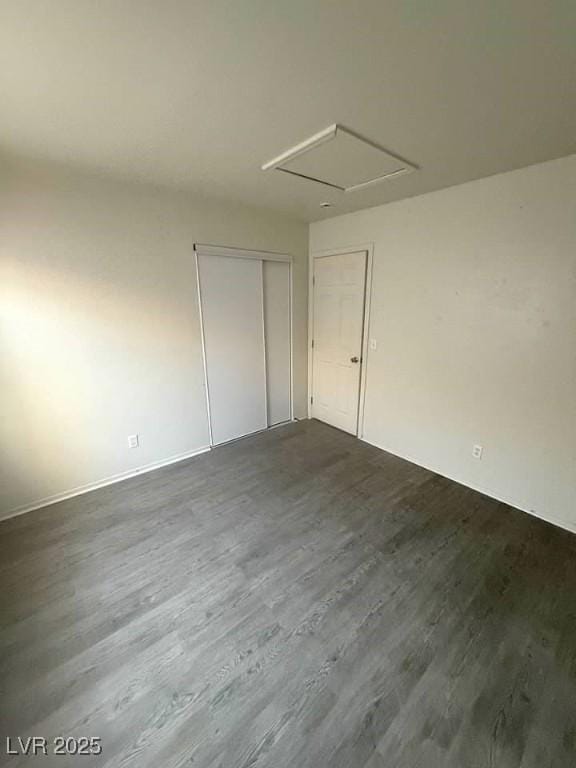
(474, 312)
(100, 327)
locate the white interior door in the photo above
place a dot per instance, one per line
(277, 336)
(231, 293)
(339, 291)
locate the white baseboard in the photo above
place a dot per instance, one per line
(571, 528)
(81, 489)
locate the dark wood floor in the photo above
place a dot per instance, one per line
(298, 599)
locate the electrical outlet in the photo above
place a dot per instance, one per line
(373, 344)
(477, 451)
(133, 441)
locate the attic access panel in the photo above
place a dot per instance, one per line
(340, 159)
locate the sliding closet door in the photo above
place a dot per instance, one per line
(277, 332)
(231, 292)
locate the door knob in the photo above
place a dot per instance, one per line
(354, 360)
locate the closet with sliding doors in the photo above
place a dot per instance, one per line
(245, 311)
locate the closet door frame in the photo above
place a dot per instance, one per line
(218, 250)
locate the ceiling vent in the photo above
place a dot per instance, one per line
(340, 159)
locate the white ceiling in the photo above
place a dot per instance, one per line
(200, 93)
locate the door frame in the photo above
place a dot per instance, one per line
(368, 248)
(242, 253)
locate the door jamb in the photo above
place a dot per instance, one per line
(369, 249)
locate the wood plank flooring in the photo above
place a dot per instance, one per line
(298, 599)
